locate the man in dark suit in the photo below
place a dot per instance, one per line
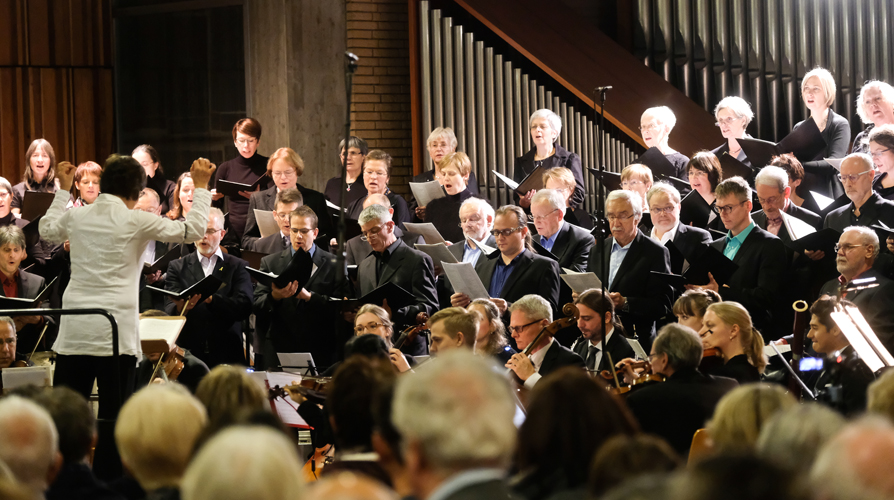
(357, 249)
(597, 320)
(663, 200)
(760, 257)
(866, 207)
(477, 220)
(20, 284)
(529, 315)
(774, 194)
(676, 408)
(213, 330)
(287, 201)
(516, 271)
(299, 319)
(569, 243)
(640, 297)
(392, 261)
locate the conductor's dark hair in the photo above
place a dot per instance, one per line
(123, 176)
(368, 344)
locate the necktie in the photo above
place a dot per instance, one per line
(285, 241)
(591, 357)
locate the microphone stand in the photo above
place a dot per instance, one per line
(340, 255)
(602, 227)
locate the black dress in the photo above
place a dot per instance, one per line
(737, 368)
(246, 171)
(886, 193)
(398, 203)
(356, 191)
(679, 161)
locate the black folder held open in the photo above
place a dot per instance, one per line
(299, 269)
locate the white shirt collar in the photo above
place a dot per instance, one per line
(668, 236)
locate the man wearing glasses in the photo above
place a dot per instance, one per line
(866, 207)
(664, 204)
(287, 201)
(529, 315)
(476, 218)
(213, 329)
(570, 243)
(629, 256)
(774, 194)
(392, 261)
(760, 256)
(299, 319)
(357, 248)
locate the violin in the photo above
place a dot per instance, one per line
(409, 335)
(172, 364)
(315, 389)
(643, 378)
(712, 359)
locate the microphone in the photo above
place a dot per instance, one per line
(352, 58)
(603, 89)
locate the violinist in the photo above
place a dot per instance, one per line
(593, 323)
(189, 369)
(373, 319)
(727, 327)
(529, 315)
(8, 354)
(676, 408)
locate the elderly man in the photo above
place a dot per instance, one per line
(760, 256)
(597, 321)
(517, 271)
(569, 243)
(866, 207)
(357, 248)
(660, 408)
(629, 257)
(453, 328)
(855, 463)
(29, 444)
(213, 330)
(476, 217)
(530, 314)
(774, 194)
(299, 319)
(8, 344)
(392, 261)
(149, 202)
(664, 205)
(20, 284)
(286, 202)
(465, 452)
(857, 249)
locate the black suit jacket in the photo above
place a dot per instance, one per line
(271, 244)
(266, 200)
(756, 284)
(294, 325)
(676, 408)
(648, 297)
(617, 346)
(524, 165)
(874, 210)
(688, 239)
(411, 270)
(356, 249)
(559, 356)
(532, 274)
(213, 332)
(572, 247)
(876, 304)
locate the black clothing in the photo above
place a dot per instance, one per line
(689, 240)
(18, 191)
(875, 209)
(572, 246)
(79, 371)
(886, 193)
(819, 176)
(617, 346)
(194, 370)
(76, 481)
(875, 303)
(532, 274)
(444, 214)
(737, 368)
(558, 356)
(356, 191)
(245, 171)
(579, 217)
(356, 249)
(525, 164)
(398, 203)
(266, 200)
(679, 161)
(164, 189)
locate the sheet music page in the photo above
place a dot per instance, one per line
(465, 280)
(484, 248)
(266, 223)
(770, 352)
(161, 329)
(427, 230)
(28, 375)
(835, 162)
(285, 409)
(426, 192)
(581, 282)
(333, 206)
(821, 201)
(438, 253)
(511, 184)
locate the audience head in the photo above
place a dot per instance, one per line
(369, 345)
(441, 142)
(182, 201)
(737, 477)
(511, 230)
(12, 249)
(29, 443)
(562, 180)
(742, 413)
(453, 172)
(40, 163)
(855, 463)
(303, 230)
(148, 202)
(857, 173)
(627, 457)
(156, 431)
(728, 327)
(287, 200)
(348, 485)
(818, 89)
(705, 173)
(148, 158)
(773, 191)
(74, 421)
(491, 338)
(529, 315)
(880, 396)
(637, 178)
(793, 436)
(792, 167)
(452, 328)
(122, 177)
(214, 232)
(597, 315)
(376, 226)
(476, 217)
(676, 348)
(547, 210)
(86, 182)
(663, 201)
(545, 128)
(246, 136)
(857, 249)
(357, 149)
(624, 210)
(733, 115)
(875, 104)
(655, 126)
(350, 399)
(881, 148)
(285, 166)
(824, 333)
(377, 172)
(691, 306)
(734, 204)
(224, 469)
(8, 340)
(228, 389)
(371, 318)
(569, 417)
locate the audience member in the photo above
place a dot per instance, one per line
(854, 463)
(29, 444)
(793, 436)
(741, 414)
(227, 390)
(624, 458)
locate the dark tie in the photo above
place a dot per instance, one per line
(591, 357)
(286, 242)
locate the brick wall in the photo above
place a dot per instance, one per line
(378, 34)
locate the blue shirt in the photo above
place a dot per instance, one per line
(501, 274)
(470, 254)
(313, 248)
(734, 243)
(617, 258)
(548, 243)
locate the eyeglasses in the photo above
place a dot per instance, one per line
(541, 218)
(612, 217)
(878, 154)
(662, 210)
(845, 248)
(4, 194)
(726, 121)
(373, 231)
(651, 126)
(650, 356)
(768, 201)
(376, 173)
(302, 230)
(852, 177)
(243, 142)
(696, 173)
(630, 184)
(284, 173)
(212, 232)
(350, 153)
(470, 220)
(519, 329)
(367, 327)
(505, 232)
(811, 90)
(728, 209)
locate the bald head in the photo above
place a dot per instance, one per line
(349, 486)
(377, 199)
(29, 444)
(856, 462)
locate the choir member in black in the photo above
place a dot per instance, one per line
(286, 202)
(881, 149)
(40, 173)
(183, 192)
(517, 271)
(690, 308)
(357, 248)
(213, 330)
(598, 319)
(727, 327)
(679, 406)
(545, 129)
(852, 375)
(285, 166)
(491, 339)
(705, 173)
(357, 150)
(376, 174)
(638, 178)
(759, 255)
(655, 127)
(245, 168)
(39, 252)
(529, 315)
(148, 202)
(571, 244)
(148, 157)
(454, 172)
(392, 261)
(664, 205)
(866, 207)
(875, 106)
(562, 180)
(20, 284)
(441, 142)
(299, 319)
(733, 115)
(857, 251)
(640, 298)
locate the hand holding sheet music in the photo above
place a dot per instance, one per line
(465, 280)
(426, 192)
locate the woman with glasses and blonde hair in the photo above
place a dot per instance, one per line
(727, 327)
(875, 106)
(733, 115)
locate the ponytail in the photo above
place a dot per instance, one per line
(754, 351)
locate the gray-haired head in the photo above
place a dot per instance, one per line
(217, 216)
(868, 237)
(12, 235)
(354, 142)
(555, 122)
(774, 177)
(552, 197)
(681, 344)
(481, 206)
(534, 306)
(377, 199)
(662, 115)
(374, 212)
(29, 442)
(631, 197)
(665, 188)
(4, 184)
(737, 106)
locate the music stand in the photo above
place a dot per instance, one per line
(298, 360)
(861, 337)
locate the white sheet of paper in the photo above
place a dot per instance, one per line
(637, 349)
(797, 228)
(425, 192)
(581, 282)
(570, 271)
(484, 248)
(296, 360)
(332, 206)
(285, 409)
(506, 180)
(28, 375)
(835, 162)
(157, 329)
(465, 280)
(266, 223)
(438, 253)
(770, 352)
(821, 201)
(427, 230)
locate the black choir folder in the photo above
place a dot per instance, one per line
(730, 166)
(824, 239)
(23, 303)
(35, 204)
(706, 260)
(204, 289)
(534, 181)
(299, 269)
(662, 169)
(231, 189)
(805, 142)
(610, 180)
(161, 263)
(398, 298)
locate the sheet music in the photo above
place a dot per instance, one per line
(427, 230)
(160, 329)
(581, 282)
(438, 253)
(570, 271)
(857, 340)
(770, 352)
(426, 192)
(465, 280)
(637, 349)
(285, 409)
(40, 376)
(333, 206)
(835, 162)
(484, 248)
(511, 184)
(296, 360)
(821, 201)
(796, 228)
(266, 223)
